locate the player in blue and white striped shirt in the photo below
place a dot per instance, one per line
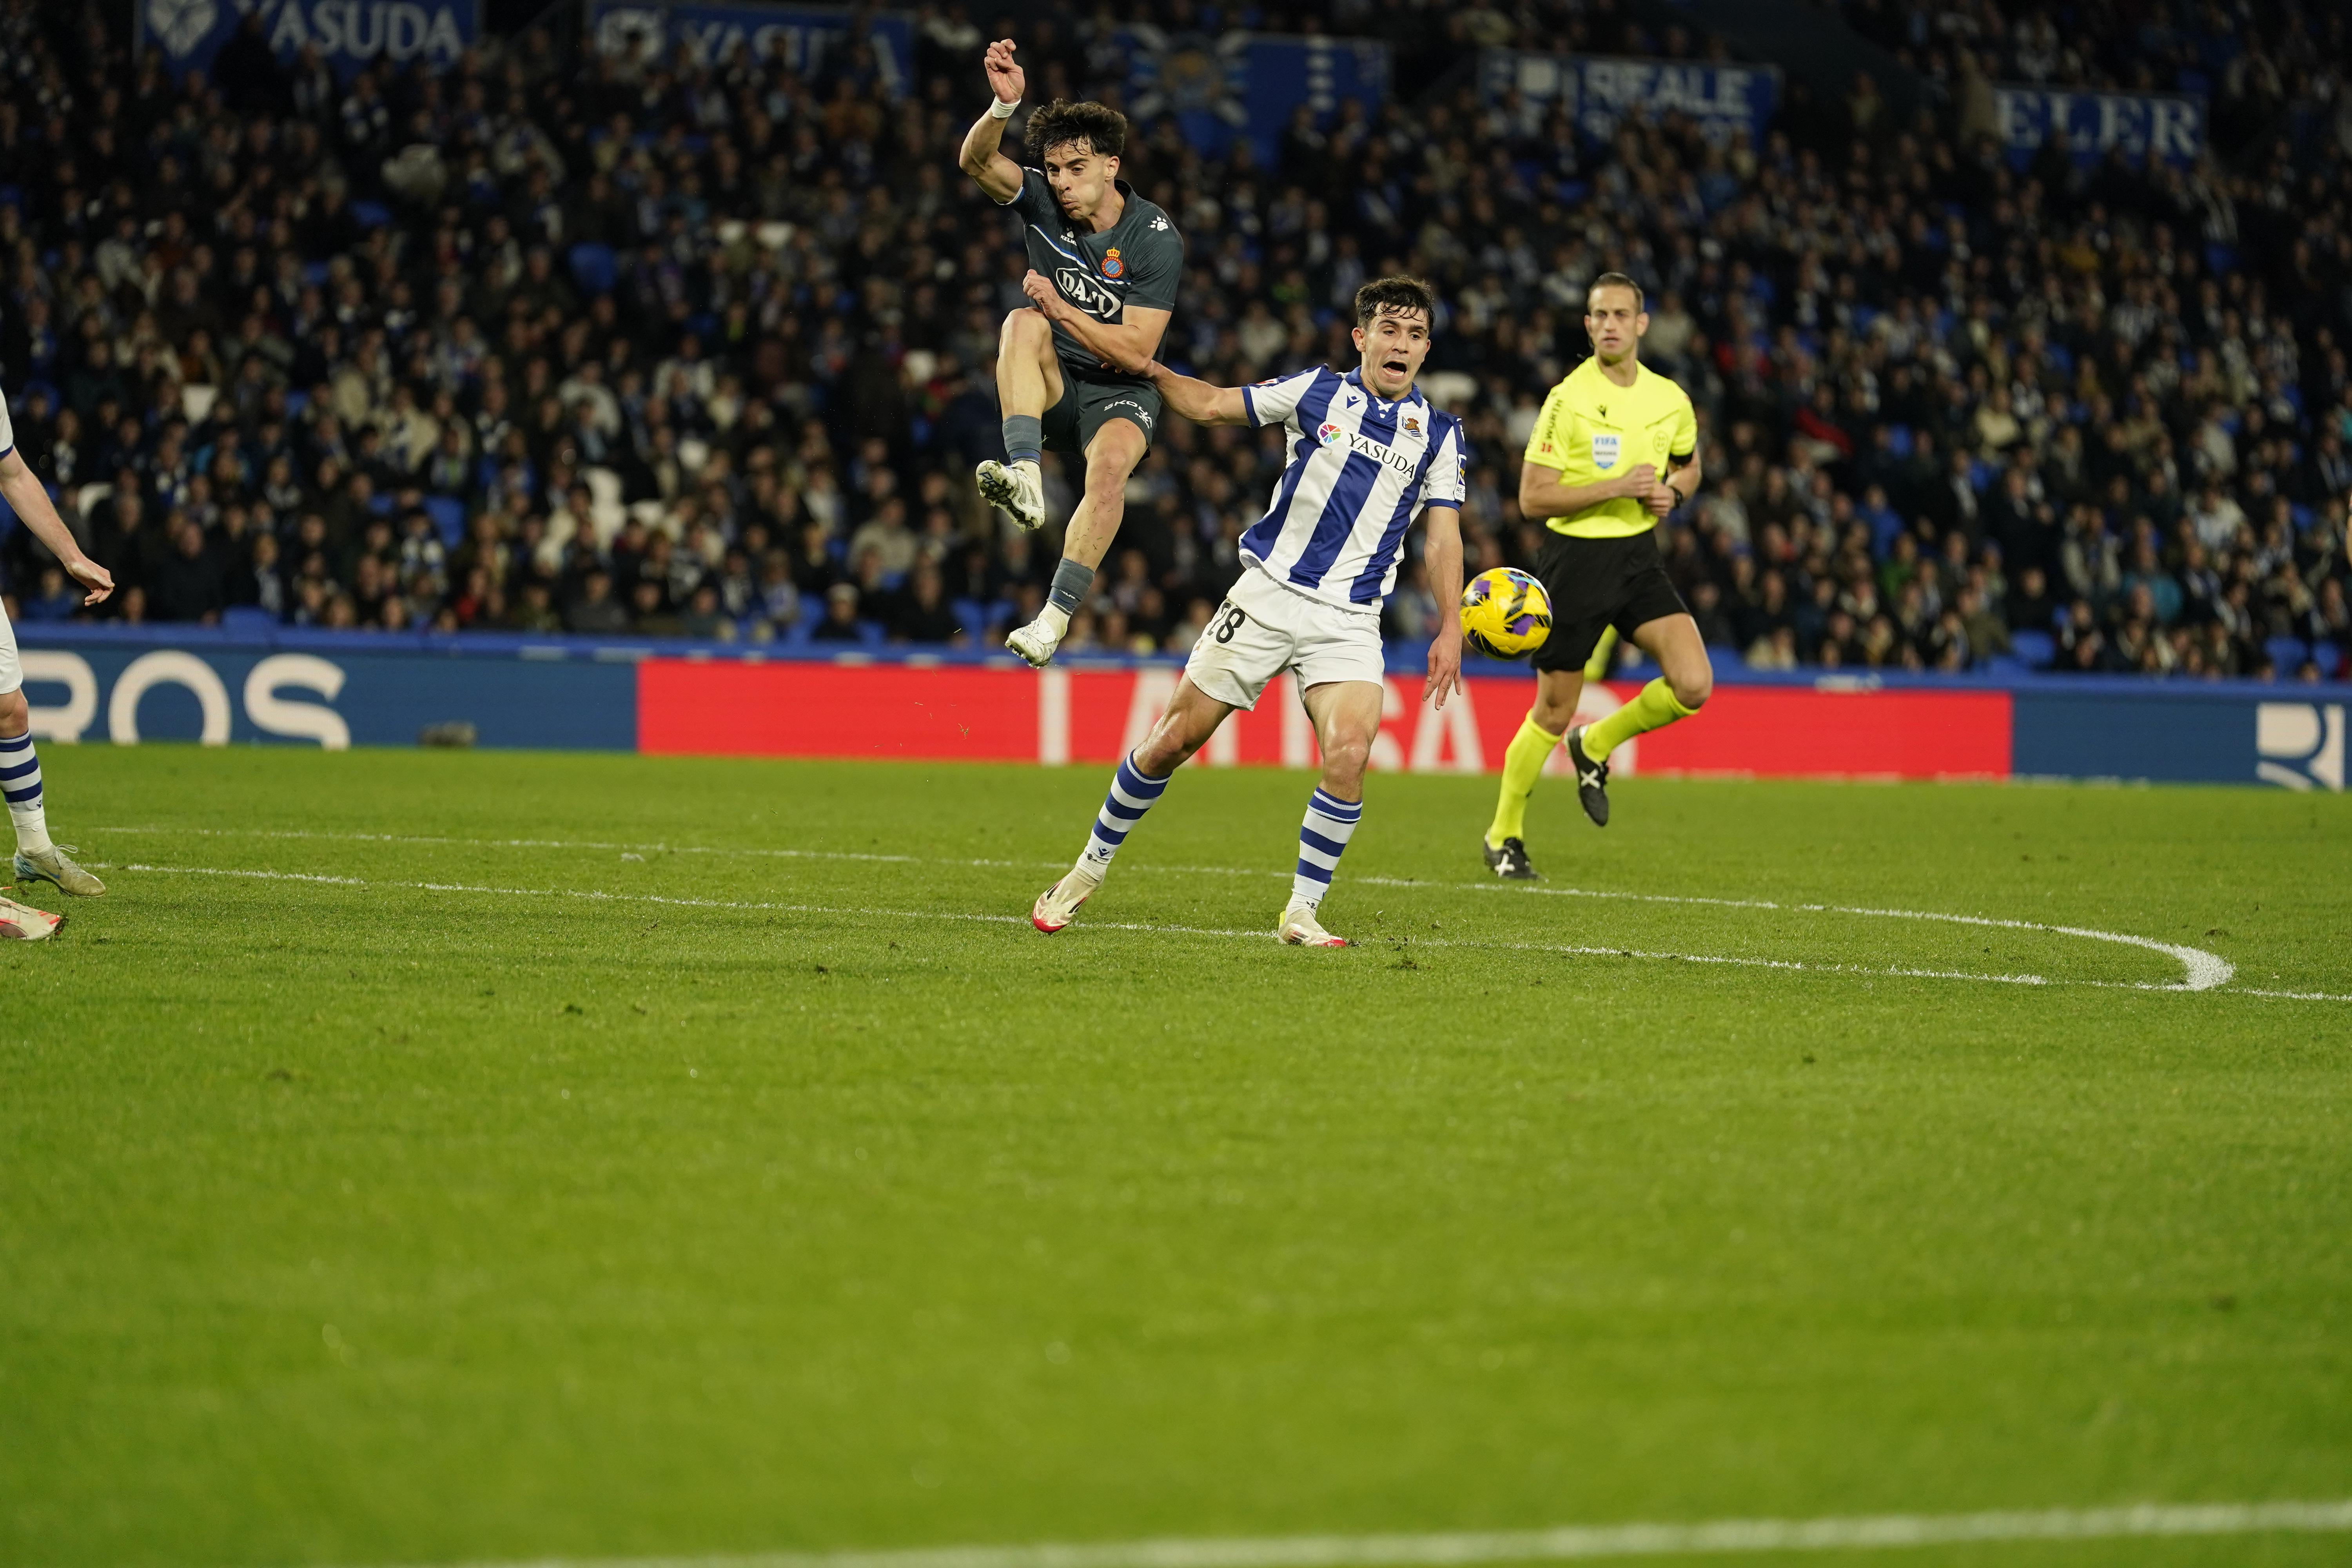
(1367, 455)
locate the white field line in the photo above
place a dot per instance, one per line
(1565, 1544)
(1558, 949)
(2201, 971)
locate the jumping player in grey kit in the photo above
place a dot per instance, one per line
(1103, 269)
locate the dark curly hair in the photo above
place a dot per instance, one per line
(1060, 122)
(1399, 294)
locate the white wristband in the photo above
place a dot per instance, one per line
(1001, 110)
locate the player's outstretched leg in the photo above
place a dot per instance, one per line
(1183, 728)
(1681, 690)
(38, 859)
(1347, 715)
(1112, 457)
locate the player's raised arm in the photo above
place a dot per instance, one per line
(21, 488)
(1197, 400)
(994, 173)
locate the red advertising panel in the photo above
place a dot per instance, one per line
(796, 709)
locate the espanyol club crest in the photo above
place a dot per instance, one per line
(1605, 451)
(1112, 266)
(181, 25)
(1327, 433)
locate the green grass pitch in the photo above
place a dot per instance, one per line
(401, 1206)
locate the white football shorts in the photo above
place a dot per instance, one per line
(1264, 628)
(12, 668)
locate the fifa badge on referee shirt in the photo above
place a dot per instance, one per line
(1605, 451)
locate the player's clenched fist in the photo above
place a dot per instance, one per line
(1004, 78)
(1637, 482)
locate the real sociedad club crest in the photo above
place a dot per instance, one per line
(181, 25)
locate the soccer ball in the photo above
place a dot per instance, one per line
(1505, 613)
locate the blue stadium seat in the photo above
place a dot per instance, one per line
(872, 633)
(448, 515)
(2004, 665)
(248, 620)
(970, 614)
(595, 268)
(2329, 658)
(371, 215)
(2287, 654)
(2302, 514)
(2035, 650)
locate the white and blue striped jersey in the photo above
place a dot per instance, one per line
(1361, 467)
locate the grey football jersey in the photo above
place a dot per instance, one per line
(1137, 261)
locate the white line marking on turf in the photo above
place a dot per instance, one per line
(1561, 949)
(1574, 1542)
(2201, 971)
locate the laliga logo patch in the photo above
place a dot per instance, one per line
(1605, 451)
(1112, 266)
(1328, 433)
(181, 25)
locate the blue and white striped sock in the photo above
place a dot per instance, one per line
(20, 782)
(1322, 840)
(1132, 791)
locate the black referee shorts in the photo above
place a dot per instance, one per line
(1599, 583)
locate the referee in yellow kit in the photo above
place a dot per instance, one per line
(1615, 449)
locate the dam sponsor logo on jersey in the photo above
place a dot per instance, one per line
(1088, 293)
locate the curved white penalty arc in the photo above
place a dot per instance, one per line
(2200, 970)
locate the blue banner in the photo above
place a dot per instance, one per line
(325, 690)
(349, 35)
(2172, 126)
(1598, 91)
(709, 32)
(1226, 86)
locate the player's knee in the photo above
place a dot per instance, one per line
(1026, 331)
(1693, 687)
(16, 713)
(1345, 758)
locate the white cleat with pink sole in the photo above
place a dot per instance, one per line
(1301, 928)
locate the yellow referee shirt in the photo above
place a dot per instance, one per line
(1592, 428)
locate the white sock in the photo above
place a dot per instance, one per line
(20, 782)
(1322, 839)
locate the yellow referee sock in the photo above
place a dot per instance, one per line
(1529, 749)
(1653, 708)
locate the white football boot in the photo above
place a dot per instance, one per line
(1036, 641)
(1018, 487)
(1301, 928)
(50, 865)
(22, 923)
(1057, 906)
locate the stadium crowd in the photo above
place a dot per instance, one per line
(618, 344)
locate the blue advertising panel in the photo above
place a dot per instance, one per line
(331, 692)
(2230, 735)
(2171, 126)
(710, 32)
(1226, 86)
(349, 35)
(1598, 91)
